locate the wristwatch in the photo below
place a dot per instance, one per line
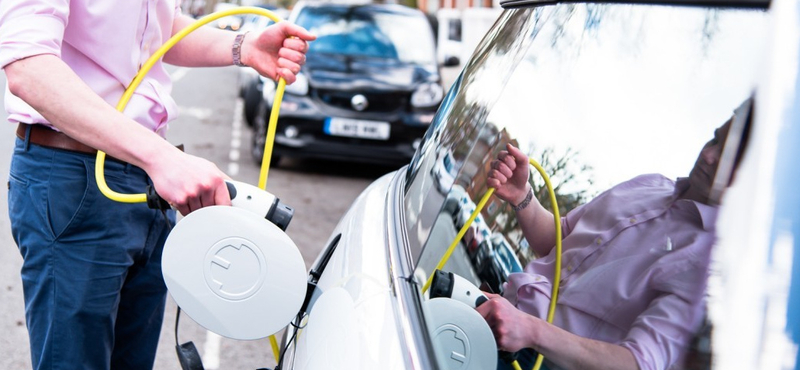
(237, 50)
(524, 202)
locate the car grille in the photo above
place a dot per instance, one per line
(400, 134)
(378, 101)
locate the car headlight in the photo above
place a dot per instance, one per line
(427, 95)
(300, 85)
(268, 89)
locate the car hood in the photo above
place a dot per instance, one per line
(347, 72)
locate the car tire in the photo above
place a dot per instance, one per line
(252, 99)
(260, 122)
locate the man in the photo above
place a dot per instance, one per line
(94, 294)
(634, 267)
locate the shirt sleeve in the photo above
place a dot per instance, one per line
(571, 218)
(29, 28)
(661, 334)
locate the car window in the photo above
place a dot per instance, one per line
(369, 32)
(597, 94)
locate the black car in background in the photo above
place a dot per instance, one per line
(368, 91)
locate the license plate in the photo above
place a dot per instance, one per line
(357, 128)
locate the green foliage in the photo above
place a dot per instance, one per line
(571, 181)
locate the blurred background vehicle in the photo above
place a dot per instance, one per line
(444, 171)
(367, 92)
(449, 36)
(506, 254)
(231, 22)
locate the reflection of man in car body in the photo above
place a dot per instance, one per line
(634, 266)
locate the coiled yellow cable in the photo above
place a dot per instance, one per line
(126, 96)
(557, 277)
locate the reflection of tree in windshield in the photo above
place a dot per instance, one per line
(572, 181)
(579, 23)
(710, 28)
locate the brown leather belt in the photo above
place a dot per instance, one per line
(47, 137)
(44, 136)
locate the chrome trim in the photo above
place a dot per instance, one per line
(359, 102)
(409, 301)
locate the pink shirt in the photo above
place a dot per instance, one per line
(104, 42)
(634, 268)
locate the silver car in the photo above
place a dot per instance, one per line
(597, 93)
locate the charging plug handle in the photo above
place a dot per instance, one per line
(443, 285)
(278, 213)
(449, 285)
(155, 201)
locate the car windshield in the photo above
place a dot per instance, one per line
(369, 32)
(597, 94)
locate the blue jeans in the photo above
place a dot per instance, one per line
(91, 273)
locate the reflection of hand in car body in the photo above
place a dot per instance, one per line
(509, 177)
(515, 328)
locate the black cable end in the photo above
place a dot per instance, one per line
(507, 357)
(155, 201)
(189, 357)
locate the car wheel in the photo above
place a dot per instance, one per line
(260, 122)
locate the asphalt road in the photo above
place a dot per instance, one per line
(210, 126)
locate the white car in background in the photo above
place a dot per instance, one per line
(231, 22)
(444, 171)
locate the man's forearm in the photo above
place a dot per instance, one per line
(203, 47)
(538, 226)
(574, 352)
(50, 87)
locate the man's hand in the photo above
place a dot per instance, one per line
(189, 183)
(509, 175)
(511, 327)
(514, 330)
(277, 51)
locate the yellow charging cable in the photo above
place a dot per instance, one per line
(126, 96)
(557, 276)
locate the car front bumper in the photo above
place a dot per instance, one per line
(301, 132)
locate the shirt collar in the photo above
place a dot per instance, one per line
(706, 213)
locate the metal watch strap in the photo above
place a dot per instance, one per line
(237, 50)
(524, 202)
